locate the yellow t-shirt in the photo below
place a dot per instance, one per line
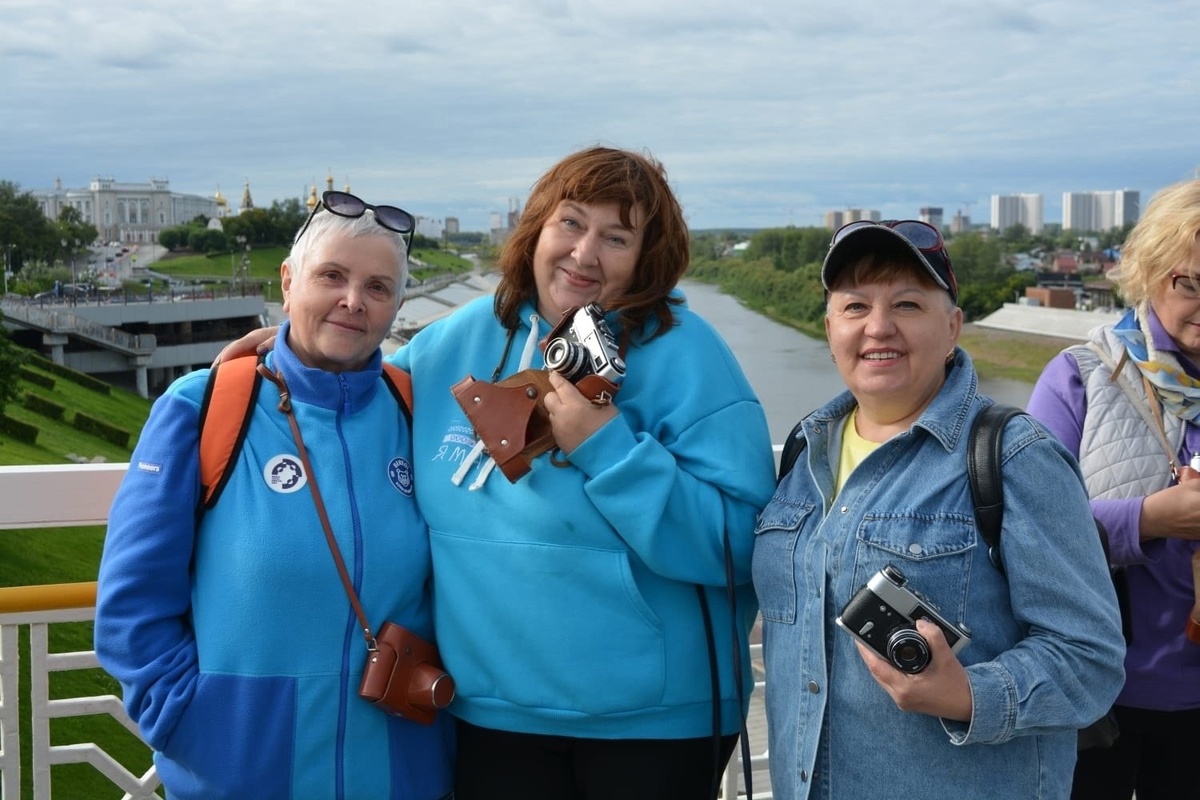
(855, 449)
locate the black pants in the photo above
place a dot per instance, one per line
(498, 765)
(1154, 755)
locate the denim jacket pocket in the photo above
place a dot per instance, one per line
(774, 565)
(934, 552)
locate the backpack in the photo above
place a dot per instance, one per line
(987, 494)
(225, 416)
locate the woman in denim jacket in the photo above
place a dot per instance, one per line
(883, 481)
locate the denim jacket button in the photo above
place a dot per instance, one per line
(915, 549)
(804, 776)
(813, 687)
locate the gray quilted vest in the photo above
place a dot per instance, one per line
(1121, 452)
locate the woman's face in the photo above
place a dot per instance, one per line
(343, 303)
(1178, 306)
(585, 254)
(890, 342)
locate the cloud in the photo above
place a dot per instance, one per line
(762, 113)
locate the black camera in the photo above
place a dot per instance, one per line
(882, 616)
(585, 346)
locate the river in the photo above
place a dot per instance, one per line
(791, 372)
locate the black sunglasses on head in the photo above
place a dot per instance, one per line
(345, 204)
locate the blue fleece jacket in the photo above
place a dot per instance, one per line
(234, 642)
(567, 602)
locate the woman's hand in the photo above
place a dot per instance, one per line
(573, 418)
(259, 340)
(1172, 513)
(942, 689)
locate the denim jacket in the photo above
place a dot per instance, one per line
(1046, 649)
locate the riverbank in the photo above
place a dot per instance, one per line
(997, 353)
(1009, 354)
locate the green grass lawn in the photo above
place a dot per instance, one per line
(264, 267)
(68, 555)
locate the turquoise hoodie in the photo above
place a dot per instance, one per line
(566, 603)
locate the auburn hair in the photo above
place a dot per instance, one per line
(600, 175)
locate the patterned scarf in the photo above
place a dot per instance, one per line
(1178, 391)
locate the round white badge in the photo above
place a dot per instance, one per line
(401, 475)
(285, 474)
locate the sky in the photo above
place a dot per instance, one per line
(764, 114)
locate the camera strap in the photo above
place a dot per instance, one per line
(285, 405)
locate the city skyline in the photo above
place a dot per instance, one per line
(764, 116)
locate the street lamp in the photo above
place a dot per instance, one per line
(8, 248)
(65, 243)
(245, 266)
(233, 270)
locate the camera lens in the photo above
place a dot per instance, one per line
(567, 358)
(908, 651)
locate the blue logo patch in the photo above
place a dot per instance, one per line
(401, 475)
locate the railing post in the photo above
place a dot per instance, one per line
(10, 707)
(39, 701)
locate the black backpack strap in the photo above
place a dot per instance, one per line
(983, 470)
(792, 448)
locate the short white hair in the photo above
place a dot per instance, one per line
(325, 223)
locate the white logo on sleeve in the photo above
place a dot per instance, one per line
(285, 474)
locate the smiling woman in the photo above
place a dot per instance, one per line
(881, 491)
(545, 585)
(341, 291)
(184, 583)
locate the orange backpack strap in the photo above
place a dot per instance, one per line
(400, 384)
(228, 407)
(224, 419)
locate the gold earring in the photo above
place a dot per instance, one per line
(950, 358)
(833, 358)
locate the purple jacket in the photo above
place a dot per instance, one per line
(1162, 667)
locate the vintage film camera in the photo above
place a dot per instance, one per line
(882, 616)
(581, 346)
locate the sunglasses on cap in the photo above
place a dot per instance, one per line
(345, 204)
(923, 237)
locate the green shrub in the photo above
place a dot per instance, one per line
(101, 429)
(40, 405)
(45, 381)
(81, 378)
(18, 430)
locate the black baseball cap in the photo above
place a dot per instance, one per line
(912, 237)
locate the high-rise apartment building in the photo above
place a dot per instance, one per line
(836, 219)
(1099, 211)
(933, 215)
(1017, 209)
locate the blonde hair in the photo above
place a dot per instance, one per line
(1162, 242)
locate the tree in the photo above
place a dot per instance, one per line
(202, 240)
(23, 225)
(11, 359)
(72, 227)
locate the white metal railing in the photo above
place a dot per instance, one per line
(38, 496)
(71, 495)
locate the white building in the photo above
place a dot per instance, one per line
(1099, 211)
(1017, 209)
(126, 212)
(836, 219)
(430, 228)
